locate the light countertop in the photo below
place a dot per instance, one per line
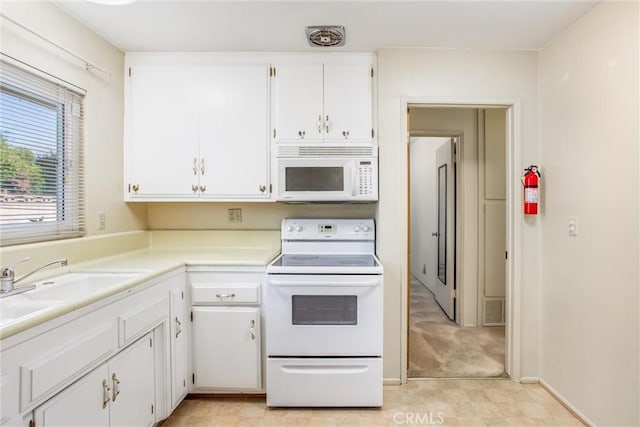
(148, 264)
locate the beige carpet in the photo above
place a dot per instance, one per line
(440, 348)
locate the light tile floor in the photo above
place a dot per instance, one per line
(493, 402)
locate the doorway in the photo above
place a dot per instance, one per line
(457, 205)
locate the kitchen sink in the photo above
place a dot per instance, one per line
(58, 291)
(17, 308)
(73, 286)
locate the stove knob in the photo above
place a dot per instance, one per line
(365, 228)
(357, 229)
(290, 228)
(299, 228)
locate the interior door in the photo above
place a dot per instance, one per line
(445, 202)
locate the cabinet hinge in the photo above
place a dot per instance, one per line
(372, 133)
(152, 409)
(191, 316)
(182, 295)
(129, 71)
(32, 423)
(184, 383)
(270, 188)
(129, 188)
(272, 71)
(371, 72)
(506, 254)
(193, 378)
(274, 133)
(150, 342)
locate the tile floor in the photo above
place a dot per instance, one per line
(488, 402)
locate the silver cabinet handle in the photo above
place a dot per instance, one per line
(345, 133)
(263, 188)
(194, 188)
(195, 166)
(202, 166)
(223, 296)
(135, 187)
(326, 124)
(252, 329)
(105, 394)
(301, 134)
(203, 188)
(434, 234)
(178, 328)
(116, 388)
(320, 124)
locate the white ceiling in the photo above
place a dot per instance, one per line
(160, 25)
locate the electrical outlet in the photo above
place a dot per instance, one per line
(234, 215)
(102, 220)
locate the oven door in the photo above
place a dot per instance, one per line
(324, 315)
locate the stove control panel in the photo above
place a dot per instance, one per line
(322, 229)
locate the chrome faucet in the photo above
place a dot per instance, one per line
(7, 276)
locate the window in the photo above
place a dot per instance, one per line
(41, 173)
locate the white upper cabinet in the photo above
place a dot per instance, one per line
(298, 103)
(161, 131)
(323, 102)
(347, 102)
(196, 132)
(234, 131)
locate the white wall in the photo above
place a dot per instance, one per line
(423, 208)
(589, 151)
(104, 101)
(452, 75)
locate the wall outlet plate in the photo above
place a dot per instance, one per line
(234, 215)
(102, 220)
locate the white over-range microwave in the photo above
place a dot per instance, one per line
(326, 173)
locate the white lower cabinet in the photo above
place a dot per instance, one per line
(120, 392)
(226, 347)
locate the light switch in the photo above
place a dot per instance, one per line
(573, 226)
(102, 220)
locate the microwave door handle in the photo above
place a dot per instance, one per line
(367, 284)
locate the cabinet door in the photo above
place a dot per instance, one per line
(347, 102)
(234, 131)
(297, 109)
(84, 403)
(226, 347)
(162, 131)
(131, 374)
(179, 347)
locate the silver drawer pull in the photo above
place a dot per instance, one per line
(222, 296)
(116, 388)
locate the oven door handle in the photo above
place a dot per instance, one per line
(367, 284)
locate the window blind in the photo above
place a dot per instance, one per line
(41, 161)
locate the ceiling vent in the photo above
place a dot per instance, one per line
(325, 35)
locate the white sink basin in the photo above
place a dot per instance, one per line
(57, 291)
(74, 286)
(15, 308)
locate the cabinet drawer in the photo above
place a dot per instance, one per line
(235, 293)
(65, 362)
(136, 323)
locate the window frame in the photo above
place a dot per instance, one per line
(32, 85)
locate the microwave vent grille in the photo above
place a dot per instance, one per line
(297, 151)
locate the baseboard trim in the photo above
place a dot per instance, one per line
(568, 406)
(391, 381)
(529, 380)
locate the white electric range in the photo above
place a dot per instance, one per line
(324, 315)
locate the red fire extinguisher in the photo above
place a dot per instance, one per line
(531, 180)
